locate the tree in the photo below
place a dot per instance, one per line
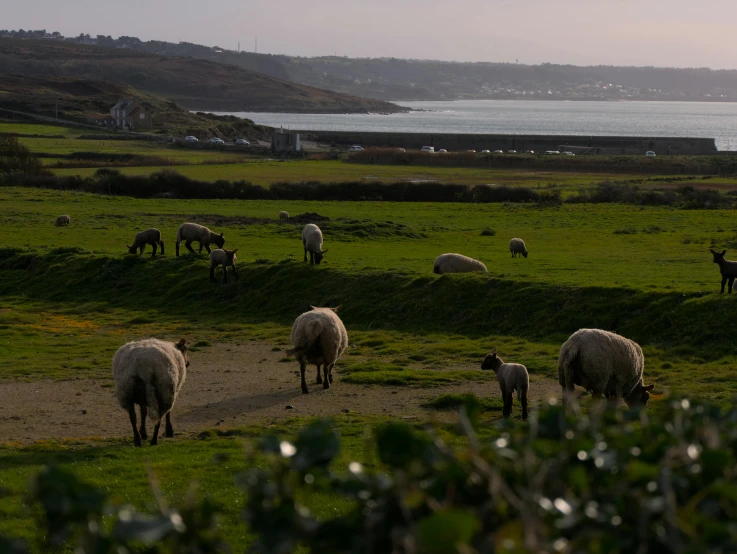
(16, 158)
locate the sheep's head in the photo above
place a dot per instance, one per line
(131, 249)
(318, 256)
(182, 347)
(525, 253)
(718, 256)
(219, 240)
(639, 396)
(231, 256)
(492, 361)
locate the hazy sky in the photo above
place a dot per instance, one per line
(683, 33)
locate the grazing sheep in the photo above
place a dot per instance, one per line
(604, 363)
(312, 242)
(283, 216)
(225, 258)
(62, 220)
(150, 373)
(189, 232)
(511, 377)
(727, 268)
(517, 246)
(149, 236)
(318, 337)
(457, 263)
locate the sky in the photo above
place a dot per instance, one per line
(673, 33)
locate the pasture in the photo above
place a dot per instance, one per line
(71, 296)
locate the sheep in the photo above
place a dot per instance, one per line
(150, 373)
(149, 236)
(312, 242)
(283, 216)
(318, 337)
(727, 268)
(189, 232)
(225, 258)
(62, 220)
(457, 263)
(604, 363)
(517, 246)
(511, 377)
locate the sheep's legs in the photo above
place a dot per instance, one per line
(141, 249)
(507, 405)
(132, 416)
(155, 438)
(330, 373)
(161, 244)
(225, 273)
(305, 247)
(235, 272)
(207, 247)
(144, 413)
(319, 375)
(731, 282)
(523, 401)
(312, 258)
(326, 377)
(212, 273)
(302, 371)
(169, 433)
(188, 245)
(154, 252)
(724, 282)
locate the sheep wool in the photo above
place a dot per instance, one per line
(225, 258)
(457, 263)
(283, 216)
(318, 337)
(511, 377)
(62, 220)
(149, 236)
(727, 268)
(604, 363)
(189, 232)
(150, 373)
(517, 246)
(312, 242)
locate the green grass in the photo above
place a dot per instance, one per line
(40, 129)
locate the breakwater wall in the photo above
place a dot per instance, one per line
(520, 143)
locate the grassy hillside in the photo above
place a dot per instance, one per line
(77, 99)
(195, 84)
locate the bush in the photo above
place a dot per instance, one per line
(684, 197)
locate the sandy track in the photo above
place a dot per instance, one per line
(227, 385)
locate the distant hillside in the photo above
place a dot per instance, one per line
(79, 99)
(193, 83)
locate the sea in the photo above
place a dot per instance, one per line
(717, 120)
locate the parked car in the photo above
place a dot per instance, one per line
(552, 152)
(242, 142)
(356, 148)
(650, 154)
(442, 151)
(511, 151)
(216, 140)
(498, 151)
(485, 152)
(529, 152)
(429, 149)
(400, 150)
(566, 153)
(471, 151)
(191, 139)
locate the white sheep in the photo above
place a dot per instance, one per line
(517, 246)
(225, 258)
(150, 373)
(283, 216)
(318, 337)
(312, 242)
(149, 236)
(727, 268)
(457, 263)
(189, 232)
(62, 220)
(511, 377)
(603, 363)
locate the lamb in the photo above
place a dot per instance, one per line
(457, 263)
(62, 220)
(189, 232)
(727, 268)
(604, 363)
(318, 337)
(149, 236)
(150, 373)
(517, 246)
(312, 242)
(283, 216)
(226, 258)
(511, 377)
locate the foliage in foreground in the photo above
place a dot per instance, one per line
(606, 481)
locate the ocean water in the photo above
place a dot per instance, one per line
(716, 120)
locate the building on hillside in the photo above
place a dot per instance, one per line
(284, 141)
(130, 115)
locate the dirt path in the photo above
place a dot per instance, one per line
(227, 385)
